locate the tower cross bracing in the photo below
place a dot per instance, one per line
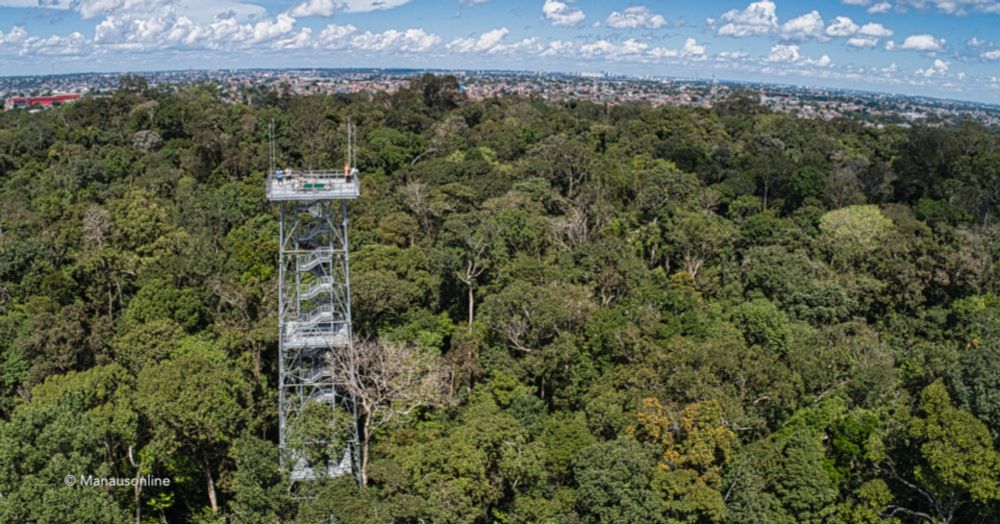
(314, 308)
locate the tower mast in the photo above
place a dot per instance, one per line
(314, 310)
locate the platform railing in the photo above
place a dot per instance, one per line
(305, 184)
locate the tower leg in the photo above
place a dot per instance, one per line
(317, 423)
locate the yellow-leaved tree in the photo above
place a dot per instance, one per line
(697, 445)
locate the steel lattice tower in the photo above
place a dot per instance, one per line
(314, 307)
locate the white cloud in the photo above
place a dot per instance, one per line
(731, 55)
(300, 40)
(954, 7)
(690, 49)
(329, 7)
(809, 25)
(492, 42)
(314, 8)
(635, 18)
(117, 33)
(600, 47)
(267, 30)
(630, 47)
(556, 47)
(856, 2)
(363, 6)
(922, 42)
(527, 45)
(93, 8)
(560, 13)
(790, 54)
(489, 41)
(335, 36)
(140, 34)
(876, 30)
(758, 18)
(202, 11)
(17, 42)
(867, 35)
(881, 7)
(784, 53)
(408, 41)
(990, 55)
(823, 61)
(862, 41)
(938, 68)
(842, 26)
(15, 37)
(73, 44)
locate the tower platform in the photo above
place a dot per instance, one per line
(309, 184)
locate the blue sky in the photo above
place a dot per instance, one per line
(947, 48)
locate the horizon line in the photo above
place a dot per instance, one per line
(608, 75)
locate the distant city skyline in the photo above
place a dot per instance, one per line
(939, 48)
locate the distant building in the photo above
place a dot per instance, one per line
(28, 102)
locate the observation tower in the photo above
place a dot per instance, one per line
(314, 311)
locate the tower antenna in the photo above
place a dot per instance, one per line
(270, 145)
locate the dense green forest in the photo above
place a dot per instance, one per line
(586, 313)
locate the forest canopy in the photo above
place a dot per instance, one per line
(606, 313)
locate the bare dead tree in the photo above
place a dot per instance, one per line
(388, 382)
(517, 330)
(96, 225)
(570, 230)
(416, 198)
(475, 264)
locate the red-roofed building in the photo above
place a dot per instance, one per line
(27, 102)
